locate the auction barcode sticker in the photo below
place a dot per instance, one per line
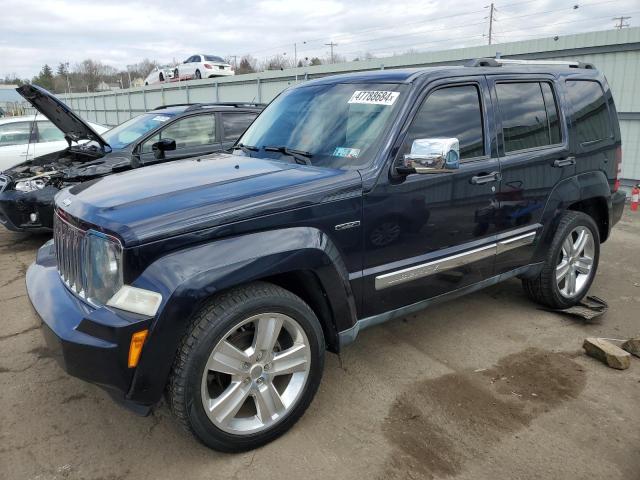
(374, 97)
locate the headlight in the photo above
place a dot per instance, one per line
(31, 185)
(103, 260)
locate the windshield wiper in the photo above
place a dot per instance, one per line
(245, 148)
(299, 156)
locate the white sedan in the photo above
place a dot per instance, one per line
(202, 66)
(23, 138)
(159, 75)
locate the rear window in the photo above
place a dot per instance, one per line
(589, 110)
(529, 115)
(213, 58)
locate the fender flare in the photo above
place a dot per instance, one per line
(584, 186)
(188, 278)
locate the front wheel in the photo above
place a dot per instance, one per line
(570, 265)
(198, 74)
(248, 367)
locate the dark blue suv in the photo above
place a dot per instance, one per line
(351, 200)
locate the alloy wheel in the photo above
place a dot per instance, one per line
(256, 374)
(575, 266)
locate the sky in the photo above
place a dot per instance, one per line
(118, 33)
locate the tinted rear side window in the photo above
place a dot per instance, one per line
(529, 118)
(590, 113)
(447, 113)
(236, 123)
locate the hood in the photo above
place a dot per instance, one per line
(74, 128)
(168, 199)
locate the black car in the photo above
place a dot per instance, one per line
(350, 201)
(169, 132)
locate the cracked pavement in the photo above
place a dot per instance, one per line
(485, 387)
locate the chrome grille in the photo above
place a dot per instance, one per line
(70, 254)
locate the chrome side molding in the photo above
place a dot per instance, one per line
(515, 242)
(454, 261)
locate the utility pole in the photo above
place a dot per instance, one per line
(621, 25)
(331, 44)
(295, 53)
(491, 9)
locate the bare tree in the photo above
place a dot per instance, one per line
(277, 62)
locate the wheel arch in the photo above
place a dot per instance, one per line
(302, 260)
(588, 193)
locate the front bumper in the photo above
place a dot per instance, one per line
(89, 343)
(17, 207)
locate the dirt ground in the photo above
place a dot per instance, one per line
(485, 387)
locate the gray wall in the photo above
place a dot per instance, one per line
(615, 52)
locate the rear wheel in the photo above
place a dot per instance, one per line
(176, 74)
(161, 77)
(248, 367)
(570, 265)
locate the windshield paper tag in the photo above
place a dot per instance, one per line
(346, 152)
(160, 118)
(374, 97)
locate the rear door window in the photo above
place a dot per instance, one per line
(48, 132)
(590, 114)
(235, 124)
(529, 115)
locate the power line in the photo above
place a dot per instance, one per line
(533, 27)
(622, 24)
(457, 15)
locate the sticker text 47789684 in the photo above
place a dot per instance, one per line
(374, 97)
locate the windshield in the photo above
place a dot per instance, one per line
(335, 125)
(131, 130)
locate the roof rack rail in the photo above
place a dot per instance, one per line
(196, 106)
(498, 62)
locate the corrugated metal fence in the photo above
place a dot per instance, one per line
(615, 52)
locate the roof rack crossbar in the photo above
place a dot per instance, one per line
(498, 62)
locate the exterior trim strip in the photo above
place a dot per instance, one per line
(515, 242)
(422, 270)
(429, 268)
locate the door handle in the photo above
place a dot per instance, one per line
(564, 162)
(482, 179)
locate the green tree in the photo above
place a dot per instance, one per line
(315, 61)
(45, 78)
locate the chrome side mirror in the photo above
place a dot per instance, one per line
(431, 155)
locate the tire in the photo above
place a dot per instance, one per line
(550, 288)
(146, 84)
(161, 77)
(176, 74)
(198, 75)
(196, 379)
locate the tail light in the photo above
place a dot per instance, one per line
(616, 184)
(206, 65)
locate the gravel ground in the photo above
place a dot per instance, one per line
(484, 387)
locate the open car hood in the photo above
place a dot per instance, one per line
(74, 128)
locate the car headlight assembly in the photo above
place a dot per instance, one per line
(31, 185)
(103, 260)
